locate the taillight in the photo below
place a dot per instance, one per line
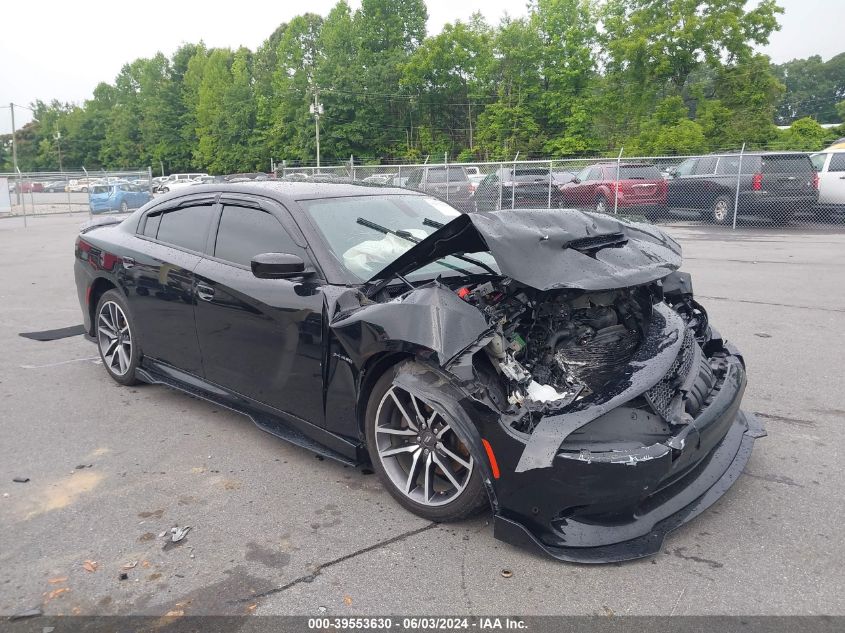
(757, 182)
(815, 180)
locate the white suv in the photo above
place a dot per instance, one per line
(830, 165)
(175, 181)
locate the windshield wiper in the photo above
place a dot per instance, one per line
(406, 235)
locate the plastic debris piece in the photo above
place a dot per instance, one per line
(763, 334)
(28, 613)
(20, 480)
(507, 573)
(56, 592)
(131, 565)
(57, 580)
(177, 533)
(123, 576)
(90, 565)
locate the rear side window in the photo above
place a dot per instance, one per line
(729, 164)
(837, 163)
(787, 164)
(185, 227)
(246, 232)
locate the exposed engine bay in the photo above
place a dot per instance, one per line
(552, 347)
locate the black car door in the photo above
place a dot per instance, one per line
(262, 338)
(159, 279)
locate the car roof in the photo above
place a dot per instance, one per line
(289, 192)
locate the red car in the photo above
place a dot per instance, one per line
(638, 188)
(28, 186)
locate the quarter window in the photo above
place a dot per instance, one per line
(837, 163)
(246, 232)
(185, 227)
(818, 161)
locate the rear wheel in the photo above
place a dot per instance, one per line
(123, 206)
(721, 211)
(419, 457)
(116, 338)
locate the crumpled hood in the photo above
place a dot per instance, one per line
(551, 249)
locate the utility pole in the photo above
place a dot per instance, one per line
(58, 137)
(15, 154)
(317, 109)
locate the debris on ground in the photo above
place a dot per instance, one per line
(763, 334)
(20, 480)
(177, 533)
(56, 592)
(57, 580)
(28, 613)
(81, 466)
(507, 573)
(123, 576)
(131, 565)
(90, 565)
(347, 600)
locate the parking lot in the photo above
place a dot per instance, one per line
(276, 531)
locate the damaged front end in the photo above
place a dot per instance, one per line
(603, 414)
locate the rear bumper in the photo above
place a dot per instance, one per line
(753, 202)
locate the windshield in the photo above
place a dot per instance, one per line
(354, 229)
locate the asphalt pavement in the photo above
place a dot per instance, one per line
(276, 531)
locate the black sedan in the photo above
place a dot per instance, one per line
(552, 366)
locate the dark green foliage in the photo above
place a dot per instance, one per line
(574, 77)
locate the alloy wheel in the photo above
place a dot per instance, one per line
(720, 210)
(601, 205)
(420, 452)
(114, 338)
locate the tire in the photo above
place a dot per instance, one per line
(601, 205)
(85, 190)
(124, 208)
(721, 211)
(117, 339)
(436, 497)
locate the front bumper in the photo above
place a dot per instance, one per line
(618, 504)
(641, 532)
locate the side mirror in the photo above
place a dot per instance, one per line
(277, 266)
(672, 172)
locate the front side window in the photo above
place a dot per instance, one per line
(686, 167)
(705, 166)
(185, 227)
(818, 161)
(246, 232)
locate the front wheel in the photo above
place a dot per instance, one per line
(419, 457)
(601, 204)
(116, 338)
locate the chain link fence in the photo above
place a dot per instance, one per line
(92, 192)
(736, 189)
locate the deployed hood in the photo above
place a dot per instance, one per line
(551, 249)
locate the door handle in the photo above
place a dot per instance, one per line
(205, 292)
(128, 262)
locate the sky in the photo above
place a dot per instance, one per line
(62, 50)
